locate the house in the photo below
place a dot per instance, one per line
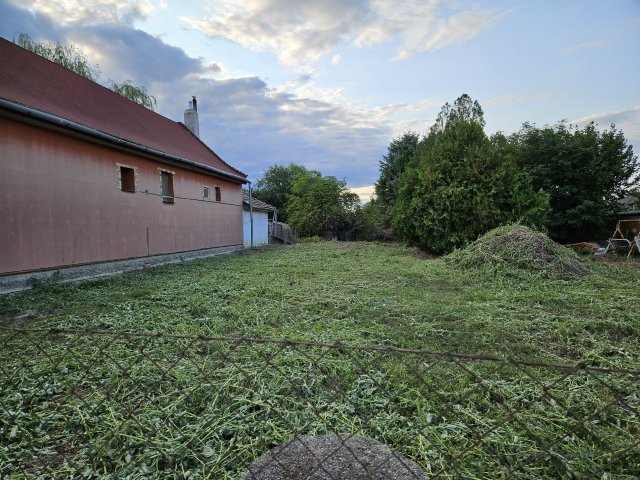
(629, 203)
(264, 216)
(92, 183)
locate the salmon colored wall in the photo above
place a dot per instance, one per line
(61, 204)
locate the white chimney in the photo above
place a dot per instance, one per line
(191, 117)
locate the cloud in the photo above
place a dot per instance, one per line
(14, 21)
(624, 114)
(249, 123)
(66, 12)
(508, 100)
(336, 59)
(421, 27)
(124, 53)
(302, 79)
(300, 33)
(455, 29)
(213, 68)
(585, 46)
(304, 86)
(626, 120)
(366, 193)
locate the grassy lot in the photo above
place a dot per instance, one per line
(359, 293)
(165, 408)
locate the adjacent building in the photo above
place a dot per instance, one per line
(88, 177)
(257, 230)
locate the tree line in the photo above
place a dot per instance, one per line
(445, 189)
(442, 191)
(313, 204)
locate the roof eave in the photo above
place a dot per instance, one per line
(59, 123)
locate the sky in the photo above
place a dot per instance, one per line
(329, 83)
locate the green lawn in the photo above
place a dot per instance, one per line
(113, 406)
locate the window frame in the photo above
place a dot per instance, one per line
(119, 178)
(168, 196)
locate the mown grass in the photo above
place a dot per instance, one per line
(359, 293)
(160, 407)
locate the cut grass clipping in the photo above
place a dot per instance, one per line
(516, 250)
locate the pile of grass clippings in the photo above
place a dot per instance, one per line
(516, 250)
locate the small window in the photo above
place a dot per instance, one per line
(205, 192)
(127, 179)
(167, 187)
(218, 194)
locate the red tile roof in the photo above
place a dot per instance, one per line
(36, 82)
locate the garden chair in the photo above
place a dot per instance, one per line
(619, 244)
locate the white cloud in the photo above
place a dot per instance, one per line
(300, 32)
(303, 86)
(336, 59)
(214, 68)
(626, 120)
(66, 12)
(585, 46)
(253, 126)
(455, 29)
(608, 117)
(366, 193)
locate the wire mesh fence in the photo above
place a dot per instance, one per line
(103, 404)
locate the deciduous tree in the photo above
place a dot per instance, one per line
(276, 185)
(318, 204)
(583, 170)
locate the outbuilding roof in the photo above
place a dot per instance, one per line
(257, 204)
(26, 79)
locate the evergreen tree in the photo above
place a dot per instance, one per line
(461, 184)
(393, 164)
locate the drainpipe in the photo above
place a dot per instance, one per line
(251, 212)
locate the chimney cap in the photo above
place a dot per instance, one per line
(195, 103)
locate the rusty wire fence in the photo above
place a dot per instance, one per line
(102, 404)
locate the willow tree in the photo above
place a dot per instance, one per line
(72, 58)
